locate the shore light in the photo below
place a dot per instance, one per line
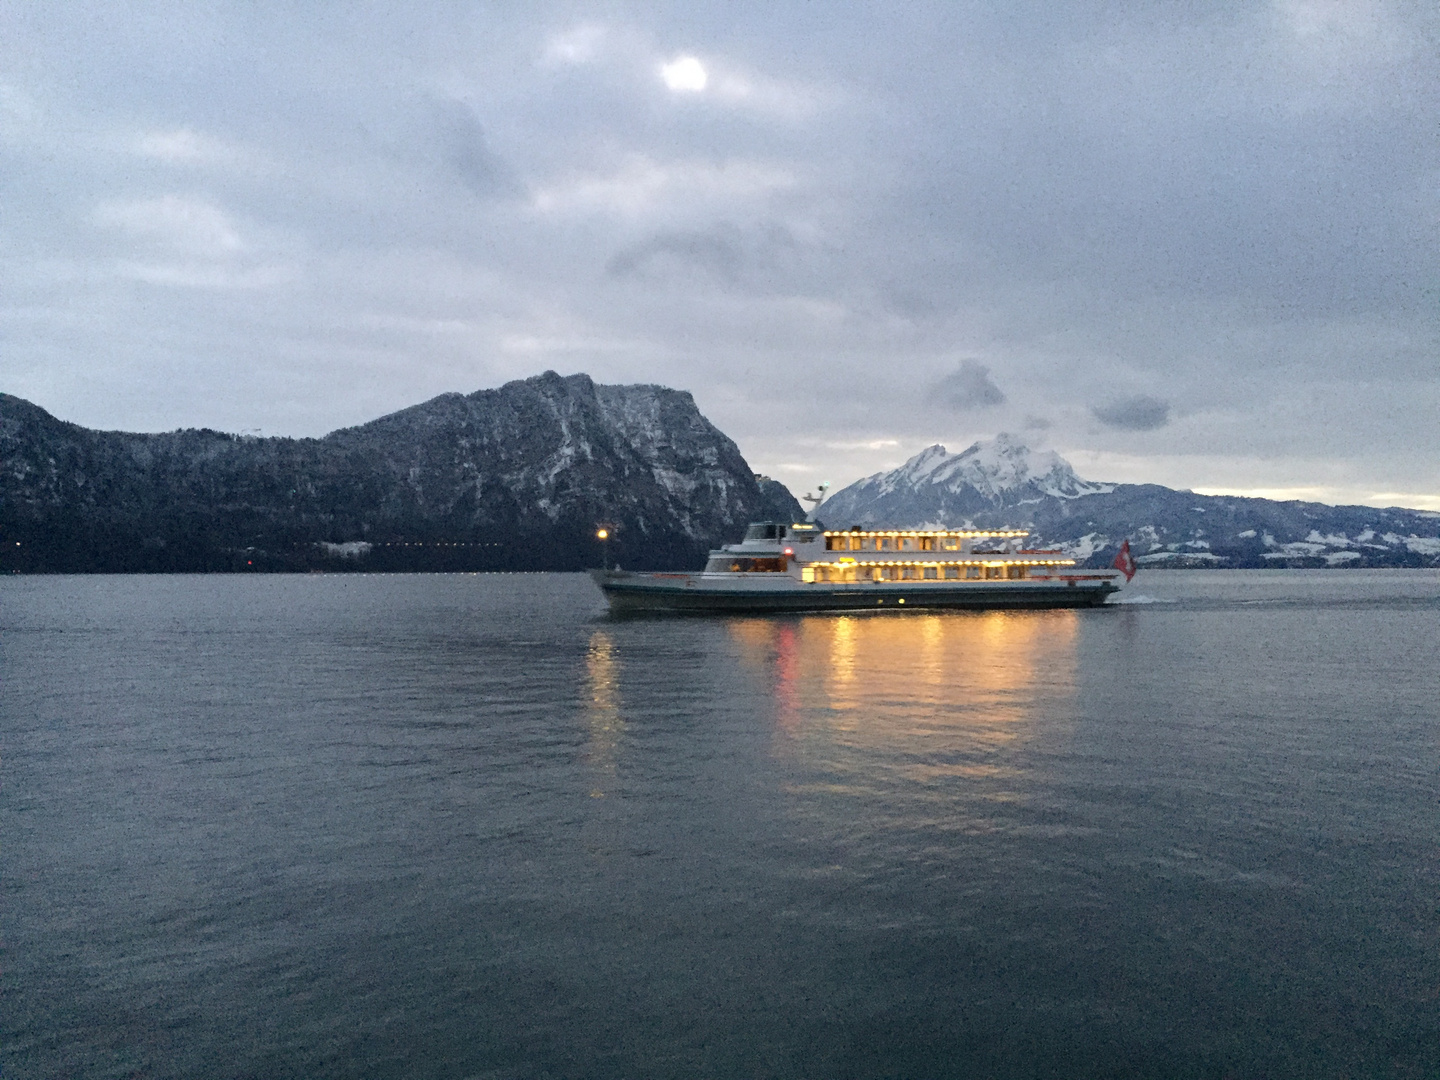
(602, 533)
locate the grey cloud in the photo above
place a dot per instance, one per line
(1214, 199)
(1038, 423)
(763, 257)
(970, 387)
(1139, 413)
(710, 251)
(466, 151)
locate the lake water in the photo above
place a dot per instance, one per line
(468, 826)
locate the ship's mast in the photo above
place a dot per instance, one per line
(815, 500)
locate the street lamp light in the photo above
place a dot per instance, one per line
(602, 534)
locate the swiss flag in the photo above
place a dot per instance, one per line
(1125, 562)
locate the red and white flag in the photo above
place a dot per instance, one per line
(1125, 562)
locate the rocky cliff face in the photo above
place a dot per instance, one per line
(1002, 484)
(515, 478)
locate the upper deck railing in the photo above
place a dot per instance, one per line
(960, 534)
(915, 539)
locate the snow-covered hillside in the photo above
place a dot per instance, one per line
(936, 485)
(514, 478)
(1003, 483)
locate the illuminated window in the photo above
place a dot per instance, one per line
(950, 543)
(882, 543)
(746, 566)
(927, 543)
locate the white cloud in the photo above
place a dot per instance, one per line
(18, 111)
(578, 45)
(543, 344)
(1334, 50)
(208, 275)
(642, 185)
(870, 444)
(685, 74)
(185, 146)
(1341, 26)
(770, 97)
(738, 87)
(177, 222)
(188, 242)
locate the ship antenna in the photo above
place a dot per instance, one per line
(816, 500)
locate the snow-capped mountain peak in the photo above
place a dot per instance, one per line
(938, 486)
(995, 469)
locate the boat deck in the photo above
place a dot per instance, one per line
(632, 593)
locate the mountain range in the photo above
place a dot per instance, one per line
(520, 478)
(1001, 483)
(514, 478)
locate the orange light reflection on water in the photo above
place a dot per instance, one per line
(913, 701)
(603, 710)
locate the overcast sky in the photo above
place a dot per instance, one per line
(1190, 243)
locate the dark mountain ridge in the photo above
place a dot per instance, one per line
(514, 478)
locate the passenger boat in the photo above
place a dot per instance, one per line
(801, 567)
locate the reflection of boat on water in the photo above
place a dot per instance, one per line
(933, 683)
(941, 720)
(799, 567)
